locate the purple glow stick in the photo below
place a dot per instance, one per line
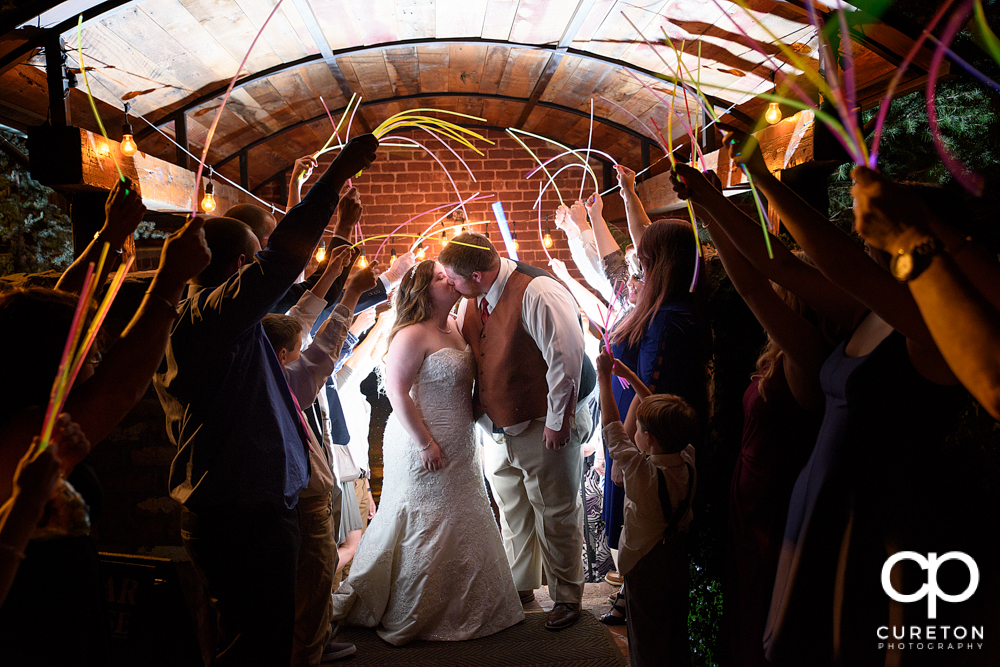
(225, 98)
(565, 153)
(669, 106)
(540, 237)
(896, 78)
(633, 116)
(429, 152)
(461, 203)
(553, 178)
(445, 144)
(970, 180)
(426, 233)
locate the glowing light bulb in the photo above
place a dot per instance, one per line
(362, 262)
(444, 239)
(321, 251)
(208, 202)
(773, 113)
(547, 239)
(128, 146)
(392, 256)
(421, 251)
(513, 236)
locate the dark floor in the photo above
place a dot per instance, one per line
(595, 601)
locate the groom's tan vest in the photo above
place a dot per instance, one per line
(510, 386)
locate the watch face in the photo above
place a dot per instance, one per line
(903, 265)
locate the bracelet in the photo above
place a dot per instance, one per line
(7, 549)
(429, 443)
(98, 235)
(164, 300)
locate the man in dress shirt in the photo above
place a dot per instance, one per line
(533, 388)
(242, 451)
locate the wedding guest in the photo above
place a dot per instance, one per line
(583, 246)
(890, 400)
(955, 283)
(659, 474)
(242, 450)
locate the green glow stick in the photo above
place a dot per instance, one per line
(90, 95)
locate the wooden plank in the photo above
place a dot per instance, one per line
(339, 24)
(539, 89)
(403, 70)
(279, 34)
(493, 69)
(466, 64)
(541, 21)
(416, 19)
(279, 113)
(302, 24)
(499, 19)
(524, 67)
(177, 21)
(299, 99)
(370, 73)
(460, 18)
(376, 20)
(433, 62)
(234, 30)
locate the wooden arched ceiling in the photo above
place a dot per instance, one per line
(532, 64)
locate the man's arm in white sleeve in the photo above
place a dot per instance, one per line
(583, 248)
(552, 319)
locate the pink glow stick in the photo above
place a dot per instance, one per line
(633, 117)
(453, 152)
(418, 215)
(441, 164)
(669, 106)
(336, 134)
(57, 396)
(552, 179)
(565, 153)
(590, 139)
(970, 180)
(218, 114)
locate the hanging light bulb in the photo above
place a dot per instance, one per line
(321, 251)
(547, 239)
(208, 202)
(421, 251)
(362, 262)
(128, 147)
(463, 229)
(773, 113)
(444, 239)
(513, 236)
(392, 256)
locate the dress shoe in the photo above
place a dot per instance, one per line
(563, 615)
(526, 596)
(336, 650)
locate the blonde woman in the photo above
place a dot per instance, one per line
(431, 564)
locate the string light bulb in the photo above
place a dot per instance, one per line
(421, 251)
(362, 261)
(547, 239)
(208, 202)
(444, 239)
(321, 251)
(128, 146)
(392, 256)
(773, 113)
(513, 236)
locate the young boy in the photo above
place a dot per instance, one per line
(659, 486)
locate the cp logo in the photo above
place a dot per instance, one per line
(930, 590)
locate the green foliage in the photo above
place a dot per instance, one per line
(35, 235)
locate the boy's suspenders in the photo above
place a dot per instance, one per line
(672, 518)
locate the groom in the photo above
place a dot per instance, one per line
(533, 386)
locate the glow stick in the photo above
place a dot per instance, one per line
(832, 124)
(453, 152)
(460, 203)
(347, 132)
(968, 67)
(552, 179)
(102, 312)
(590, 139)
(446, 173)
(990, 40)
(450, 130)
(556, 143)
(90, 96)
(412, 236)
(633, 117)
(896, 78)
(552, 159)
(540, 237)
(336, 131)
(337, 136)
(426, 234)
(665, 103)
(59, 385)
(532, 154)
(764, 222)
(970, 180)
(225, 99)
(508, 240)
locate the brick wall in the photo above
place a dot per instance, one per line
(403, 183)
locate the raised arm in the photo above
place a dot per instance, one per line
(785, 268)
(606, 243)
(965, 323)
(123, 212)
(403, 361)
(301, 172)
(592, 306)
(634, 212)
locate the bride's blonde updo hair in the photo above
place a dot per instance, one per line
(412, 302)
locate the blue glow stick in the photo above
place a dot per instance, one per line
(508, 240)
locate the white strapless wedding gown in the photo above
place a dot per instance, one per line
(431, 564)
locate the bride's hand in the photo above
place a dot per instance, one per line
(431, 457)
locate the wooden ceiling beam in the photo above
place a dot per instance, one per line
(306, 60)
(420, 96)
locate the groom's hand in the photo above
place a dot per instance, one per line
(557, 439)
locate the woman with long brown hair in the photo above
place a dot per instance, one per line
(431, 564)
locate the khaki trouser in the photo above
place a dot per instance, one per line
(541, 515)
(361, 492)
(319, 519)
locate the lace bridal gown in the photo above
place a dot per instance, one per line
(431, 564)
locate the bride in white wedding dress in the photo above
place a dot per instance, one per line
(431, 564)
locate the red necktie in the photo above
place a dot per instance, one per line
(485, 314)
(302, 418)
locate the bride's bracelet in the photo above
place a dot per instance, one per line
(429, 443)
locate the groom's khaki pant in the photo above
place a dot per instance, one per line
(541, 515)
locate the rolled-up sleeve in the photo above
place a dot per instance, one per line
(552, 319)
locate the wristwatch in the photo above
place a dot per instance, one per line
(908, 264)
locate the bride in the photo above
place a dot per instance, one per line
(431, 564)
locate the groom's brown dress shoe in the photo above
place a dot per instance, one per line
(563, 615)
(526, 596)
